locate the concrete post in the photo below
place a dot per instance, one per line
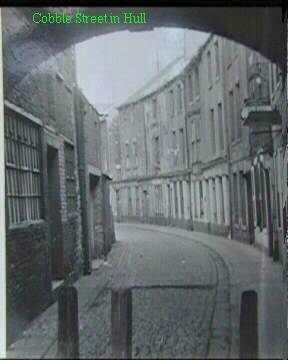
(68, 328)
(121, 323)
(249, 325)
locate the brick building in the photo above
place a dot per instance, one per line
(42, 188)
(97, 223)
(153, 151)
(198, 159)
(57, 187)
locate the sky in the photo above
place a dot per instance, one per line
(111, 67)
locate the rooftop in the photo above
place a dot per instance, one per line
(170, 72)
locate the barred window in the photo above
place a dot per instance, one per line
(23, 168)
(71, 194)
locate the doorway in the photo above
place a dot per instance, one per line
(95, 216)
(145, 206)
(54, 207)
(251, 233)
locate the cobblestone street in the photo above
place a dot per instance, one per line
(181, 299)
(174, 300)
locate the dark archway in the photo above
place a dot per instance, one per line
(28, 44)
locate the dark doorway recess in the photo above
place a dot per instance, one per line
(55, 229)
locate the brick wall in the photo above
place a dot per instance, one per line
(28, 275)
(48, 94)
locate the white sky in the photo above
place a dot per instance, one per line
(111, 67)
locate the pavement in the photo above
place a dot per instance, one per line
(186, 298)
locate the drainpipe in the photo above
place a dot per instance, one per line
(187, 148)
(228, 143)
(3, 216)
(145, 141)
(102, 184)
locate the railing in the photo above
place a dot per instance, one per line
(258, 85)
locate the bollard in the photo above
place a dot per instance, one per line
(249, 325)
(68, 328)
(121, 323)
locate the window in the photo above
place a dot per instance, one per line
(278, 74)
(127, 154)
(222, 205)
(181, 198)
(23, 168)
(214, 200)
(135, 154)
(256, 196)
(212, 129)
(197, 82)
(201, 199)
(175, 199)
(243, 197)
(235, 192)
(209, 68)
(195, 140)
(182, 144)
(221, 127)
(154, 106)
(174, 140)
(174, 147)
(156, 150)
(217, 59)
(237, 118)
(169, 190)
(272, 68)
(137, 200)
(263, 198)
(194, 184)
(190, 87)
(71, 194)
(179, 98)
(231, 113)
(171, 101)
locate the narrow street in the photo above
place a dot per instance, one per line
(175, 319)
(184, 302)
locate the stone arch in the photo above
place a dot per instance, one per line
(27, 45)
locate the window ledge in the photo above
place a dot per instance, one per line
(26, 224)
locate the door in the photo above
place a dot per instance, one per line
(169, 203)
(145, 205)
(250, 208)
(96, 216)
(118, 205)
(54, 214)
(269, 213)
